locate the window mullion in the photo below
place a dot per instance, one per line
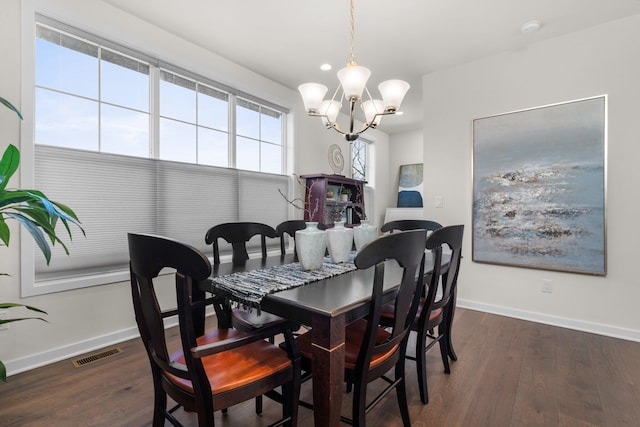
(232, 131)
(154, 112)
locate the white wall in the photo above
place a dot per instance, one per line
(89, 318)
(601, 60)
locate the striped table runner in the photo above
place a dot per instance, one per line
(248, 288)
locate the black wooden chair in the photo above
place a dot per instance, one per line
(409, 224)
(211, 370)
(413, 224)
(238, 234)
(435, 313)
(290, 228)
(371, 350)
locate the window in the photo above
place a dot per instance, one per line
(194, 121)
(92, 95)
(135, 145)
(259, 131)
(359, 159)
(88, 97)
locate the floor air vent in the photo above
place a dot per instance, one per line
(84, 361)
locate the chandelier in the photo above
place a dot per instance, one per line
(353, 80)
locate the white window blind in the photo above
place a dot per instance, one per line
(113, 195)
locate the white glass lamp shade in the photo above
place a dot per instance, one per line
(372, 107)
(393, 92)
(312, 95)
(330, 109)
(353, 79)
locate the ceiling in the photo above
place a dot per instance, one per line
(287, 40)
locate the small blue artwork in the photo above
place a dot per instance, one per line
(410, 186)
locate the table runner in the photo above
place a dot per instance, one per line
(248, 288)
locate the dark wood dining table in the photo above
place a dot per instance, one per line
(327, 306)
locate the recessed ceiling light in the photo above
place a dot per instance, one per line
(530, 27)
(325, 67)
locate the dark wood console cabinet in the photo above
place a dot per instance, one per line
(320, 207)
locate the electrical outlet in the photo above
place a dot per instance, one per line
(439, 201)
(547, 286)
(4, 315)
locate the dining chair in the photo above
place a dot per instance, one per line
(211, 370)
(238, 234)
(409, 224)
(290, 228)
(435, 310)
(412, 224)
(371, 351)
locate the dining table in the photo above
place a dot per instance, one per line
(326, 306)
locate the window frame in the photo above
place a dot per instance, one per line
(367, 148)
(29, 287)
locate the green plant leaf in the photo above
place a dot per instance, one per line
(10, 106)
(5, 233)
(10, 197)
(66, 209)
(8, 165)
(19, 319)
(35, 232)
(5, 305)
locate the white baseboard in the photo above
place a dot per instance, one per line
(61, 353)
(578, 325)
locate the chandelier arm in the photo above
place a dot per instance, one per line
(336, 92)
(368, 93)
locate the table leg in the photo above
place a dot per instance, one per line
(448, 321)
(328, 369)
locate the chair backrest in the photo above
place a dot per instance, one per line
(409, 224)
(148, 255)
(238, 234)
(407, 249)
(290, 228)
(446, 277)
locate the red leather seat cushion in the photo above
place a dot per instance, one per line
(237, 367)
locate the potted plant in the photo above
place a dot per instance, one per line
(34, 211)
(345, 194)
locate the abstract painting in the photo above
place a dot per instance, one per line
(539, 187)
(410, 186)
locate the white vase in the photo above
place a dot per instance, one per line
(339, 242)
(311, 244)
(364, 233)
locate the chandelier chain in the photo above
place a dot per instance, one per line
(352, 31)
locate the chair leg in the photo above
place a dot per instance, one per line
(259, 405)
(359, 403)
(421, 366)
(448, 321)
(401, 393)
(159, 401)
(159, 410)
(444, 351)
(290, 401)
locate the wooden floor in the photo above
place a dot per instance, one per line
(509, 373)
